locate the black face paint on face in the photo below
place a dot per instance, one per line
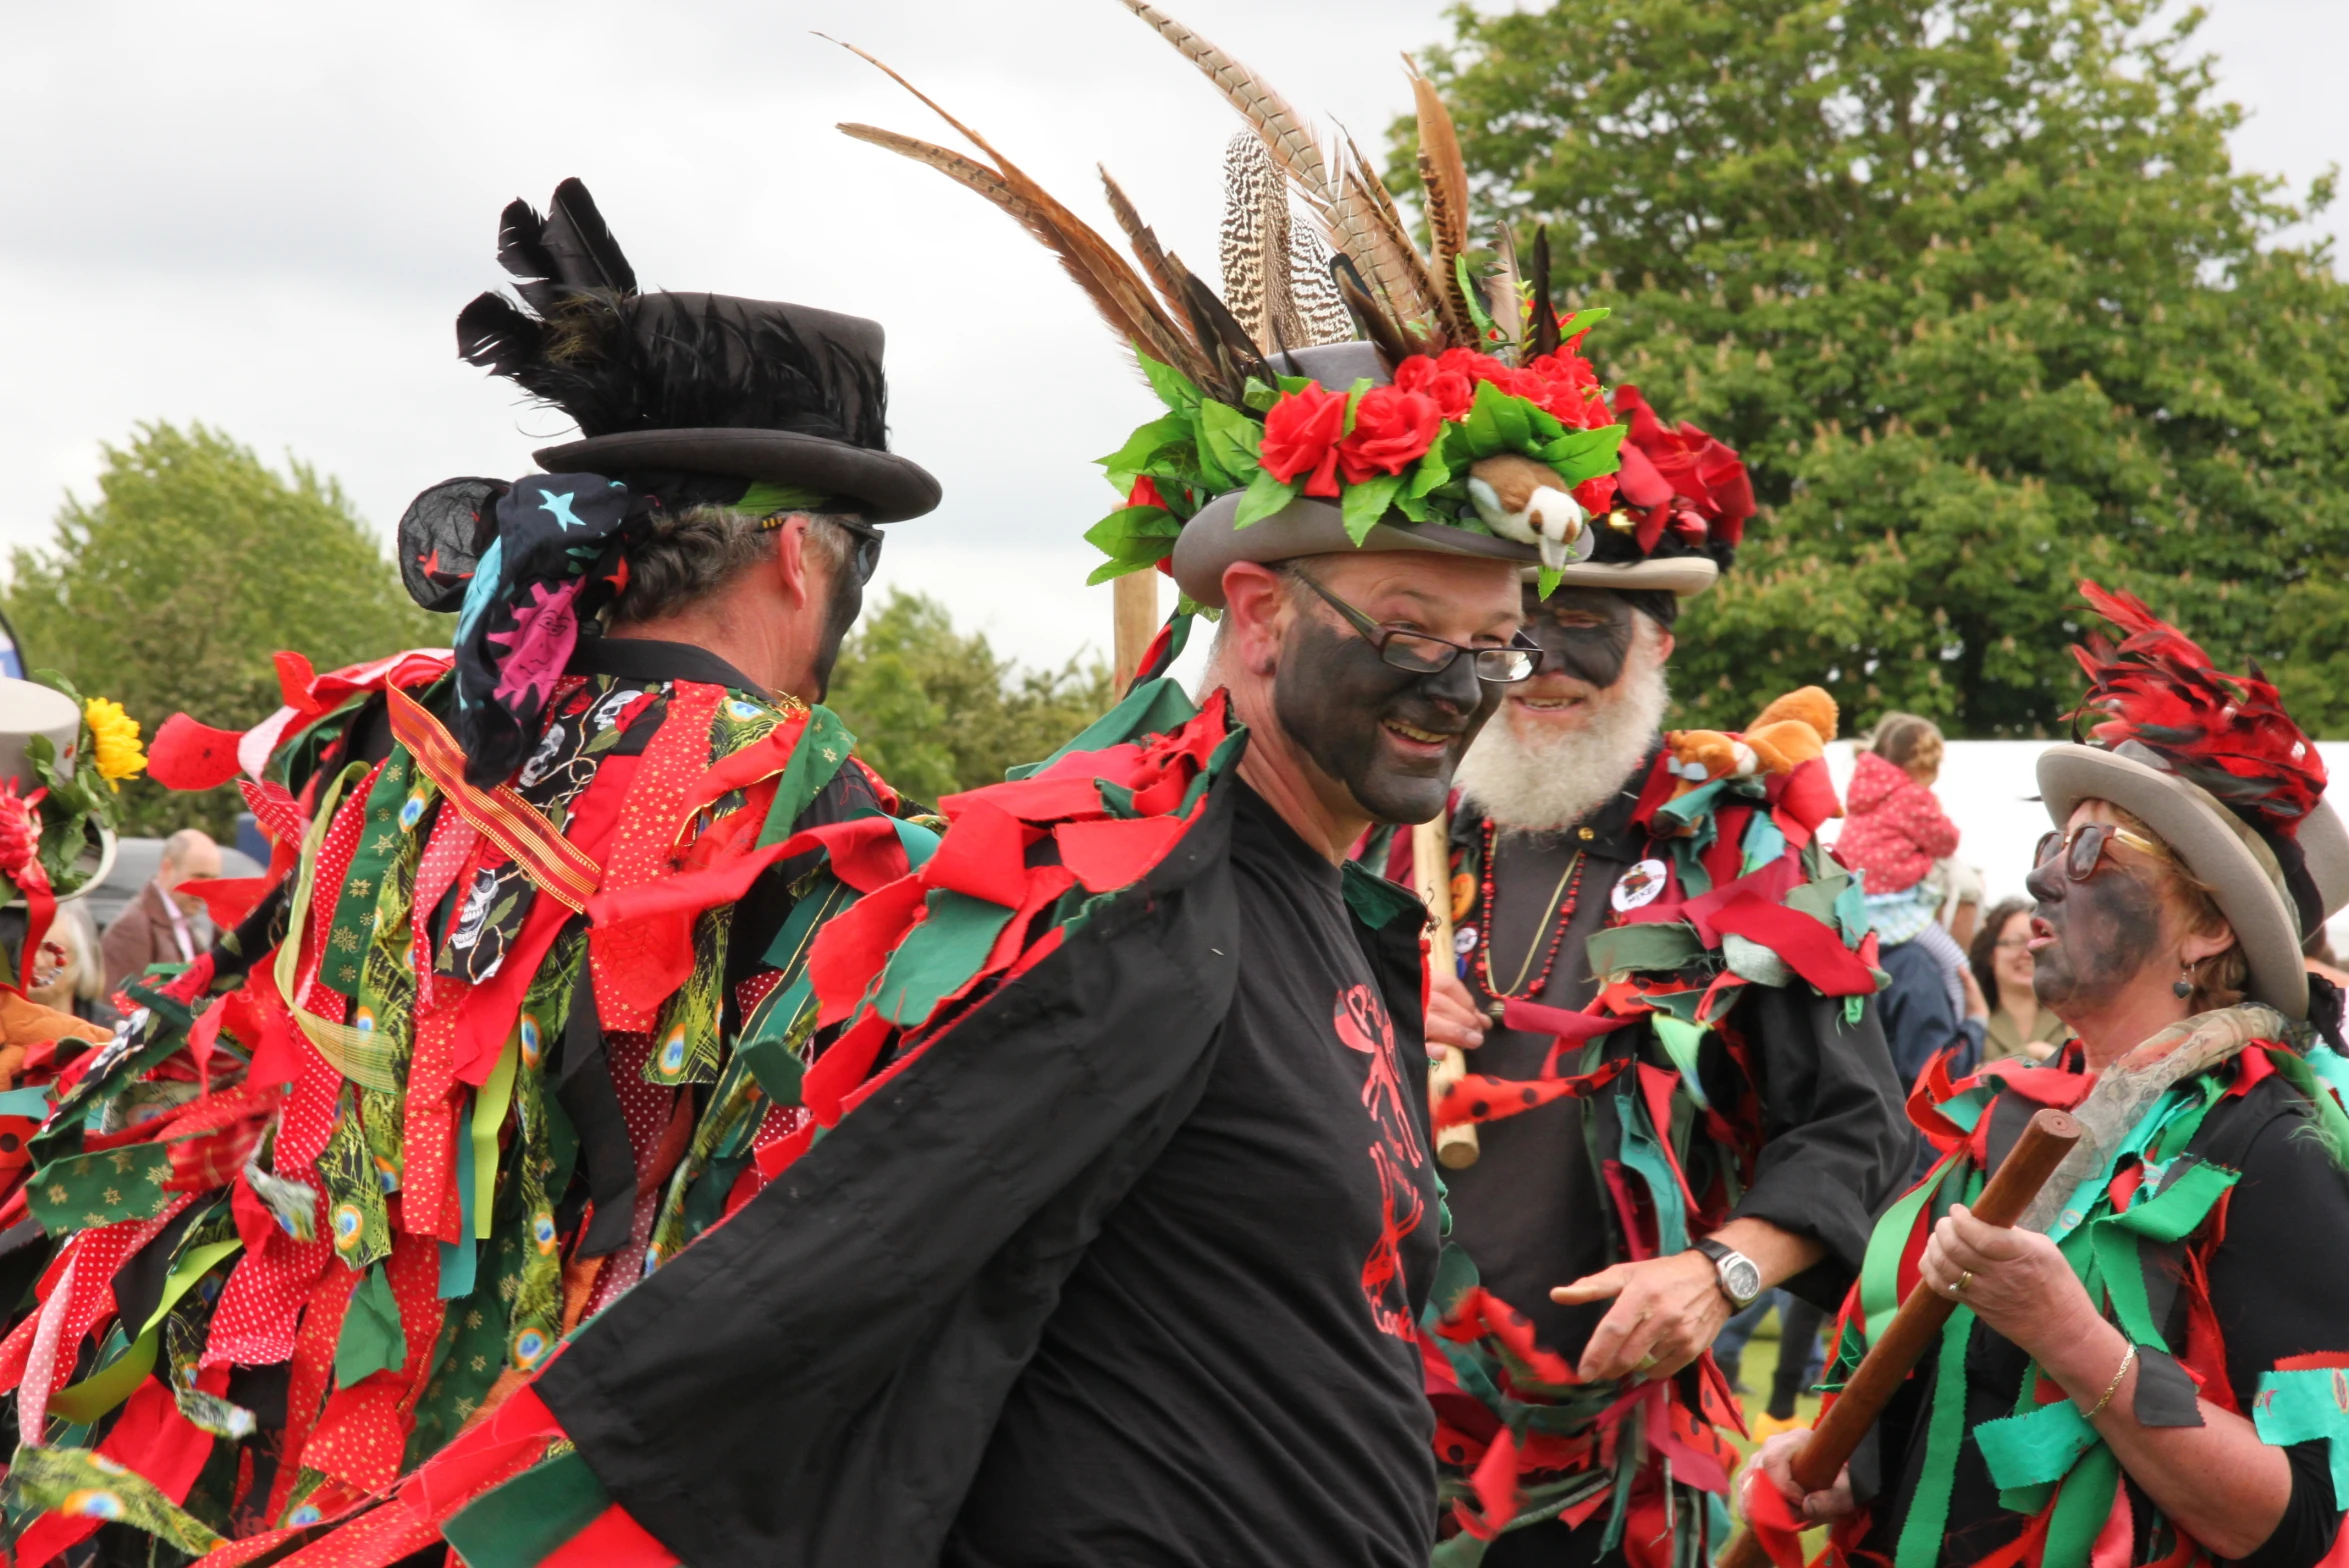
(846, 603)
(1584, 632)
(2106, 930)
(1335, 697)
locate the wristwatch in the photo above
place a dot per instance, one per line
(1740, 1280)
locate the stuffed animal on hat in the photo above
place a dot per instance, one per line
(1525, 500)
(1788, 733)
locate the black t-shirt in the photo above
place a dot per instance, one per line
(1231, 1375)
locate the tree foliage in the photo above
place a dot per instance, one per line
(936, 711)
(195, 563)
(1978, 291)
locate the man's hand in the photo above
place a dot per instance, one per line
(1775, 1461)
(1452, 1019)
(1666, 1313)
(2016, 1281)
(1977, 1005)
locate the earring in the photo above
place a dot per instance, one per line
(2183, 986)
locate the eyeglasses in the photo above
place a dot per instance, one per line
(1423, 654)
(2007, 943)
(2083, 847)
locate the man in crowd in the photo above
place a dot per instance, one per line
(1672, 1118)
(164, 925)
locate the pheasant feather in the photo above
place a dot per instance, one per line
(1144, 243)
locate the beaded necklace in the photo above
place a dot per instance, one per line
(1568, 892)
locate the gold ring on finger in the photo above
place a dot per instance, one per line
(1647, 1363)
(1965, 1278)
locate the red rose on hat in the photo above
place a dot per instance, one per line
(1393, 428)
(1451, 387)
(1301, 436)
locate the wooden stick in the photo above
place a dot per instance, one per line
(1135, 617)
(1914, 1328)
(1431, 873)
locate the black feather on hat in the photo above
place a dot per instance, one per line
(700, 384)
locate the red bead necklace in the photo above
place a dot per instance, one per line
(1569, 891)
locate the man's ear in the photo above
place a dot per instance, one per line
(1254, 600)
(794, 563)
(1664, 645)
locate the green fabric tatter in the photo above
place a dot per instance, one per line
(382, 832)
(357, 1219)
(2302, 1406)
(686, 1044)
(2081, 1509)
(2035, 1448)
(1928, 1520)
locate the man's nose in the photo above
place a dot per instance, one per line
(1456, 685)
(2046, 882)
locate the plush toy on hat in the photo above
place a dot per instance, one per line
(1791, 731)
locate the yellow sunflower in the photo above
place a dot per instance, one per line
(116, 737)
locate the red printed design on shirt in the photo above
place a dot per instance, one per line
(1362, 1023)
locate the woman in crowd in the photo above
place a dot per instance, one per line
(2019, 1023)
(2144, 1371)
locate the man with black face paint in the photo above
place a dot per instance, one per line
(1665, 1129)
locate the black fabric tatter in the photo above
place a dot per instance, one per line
(2165, 1395)
(650, 661)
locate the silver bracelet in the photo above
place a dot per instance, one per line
(2128, 1360)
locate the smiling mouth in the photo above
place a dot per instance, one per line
(1550, 704)
(1417, 737)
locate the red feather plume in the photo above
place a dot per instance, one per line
(2227, 733)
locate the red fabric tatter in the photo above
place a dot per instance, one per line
(363, 1432)
(152, 1438)
(1776, 1526)
(1815, 952)
(762, 759)
(854, 945)
(186, 755)
(632, 976)
(612, 1540)
(985, 857)
(313, 1370)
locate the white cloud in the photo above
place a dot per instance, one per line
(265, 216)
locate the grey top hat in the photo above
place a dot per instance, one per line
(1308, 525)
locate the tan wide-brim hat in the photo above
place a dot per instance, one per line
(1308, 526)
(28, 708)
(2222, 852)
(1685, 576)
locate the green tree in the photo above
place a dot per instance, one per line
(936, 711)
(195, 563)
(1977, 290)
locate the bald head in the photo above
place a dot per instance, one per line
(188, 854)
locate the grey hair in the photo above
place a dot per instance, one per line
(701, 551)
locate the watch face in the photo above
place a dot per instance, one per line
(1742, 1279)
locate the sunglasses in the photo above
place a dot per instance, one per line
(1423, 654)
(865, 540)
(2082, 849)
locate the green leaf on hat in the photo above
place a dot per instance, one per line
(1582, 321)
(1145, 445)
(1364, 504)
(1228, 443)
(1176, 390)
(1473, 295)
(1266, 495)
(1584, 454)
(1550, 578)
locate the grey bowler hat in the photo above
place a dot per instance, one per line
(1311, 526)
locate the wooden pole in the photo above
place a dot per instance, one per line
(1136, 621)
(1915, 1327)
(1431, 873)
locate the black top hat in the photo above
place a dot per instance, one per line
(687, 384)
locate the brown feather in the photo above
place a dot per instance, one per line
(1121, 296)
(1144, 242)
(1370, 318)
(1545, 314)
(1502, 300)
(1443, 178)
(1402, 274)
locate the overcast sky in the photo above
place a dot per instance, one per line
(265, 217)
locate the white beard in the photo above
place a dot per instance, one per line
(1551, 782)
